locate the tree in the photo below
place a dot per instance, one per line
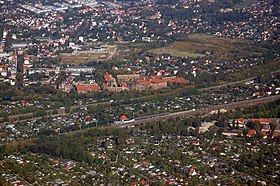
(222, 118)
(39, 112)
(3, 181)
(55, 111)
(120, 139)
(257, 126)
(46, 132)
(67, 109)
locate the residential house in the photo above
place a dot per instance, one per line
(240, 122)
(251, 133)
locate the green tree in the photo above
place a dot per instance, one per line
(39, 112)
(55, 111)
(3, 181)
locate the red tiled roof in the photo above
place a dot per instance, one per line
(251, 132)
(3, 66)
(241, 120)
(264, 133)
(143, 182)
(124, 84)
(123, 118)
(14, 58)
(195, 142)
(175, 79)
(257, 93)
(103, 156)
(261, 120)
(182, 80)
(170, 182)
(156, 80)
(108, 77)
(191, 171)
(87, 87)
(145, 163)
(105, 85)
(216, 147)
(144, 82)
(154, 77)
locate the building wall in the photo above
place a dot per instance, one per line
(128, 77)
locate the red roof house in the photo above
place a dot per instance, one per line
(123, 118)
(251, 132)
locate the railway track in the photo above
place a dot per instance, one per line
(181, 114)
(200, 111)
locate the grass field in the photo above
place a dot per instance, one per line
(176, 50)
(127, 50)
(196, 45)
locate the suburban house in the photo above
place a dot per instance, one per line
(251, 133)
(240, 122)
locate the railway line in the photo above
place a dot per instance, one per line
(167, 115)
(200, 111)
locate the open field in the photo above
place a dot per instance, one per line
(118, 51)
(176, 50)
(194, 45)
(220, 48)
(127, 50)
(102, 53)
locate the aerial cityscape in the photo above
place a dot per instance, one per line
(139, 92)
